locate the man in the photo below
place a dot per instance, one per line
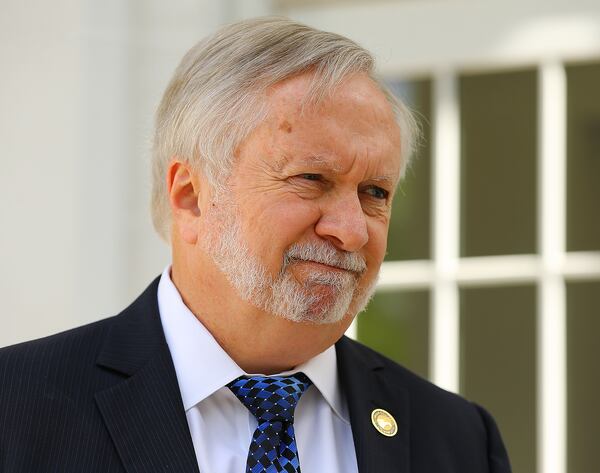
(276, 158)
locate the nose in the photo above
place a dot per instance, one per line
(343, 223)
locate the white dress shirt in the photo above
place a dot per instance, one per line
(221, 426)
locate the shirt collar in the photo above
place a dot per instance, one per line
(189, 341)
(322, 371)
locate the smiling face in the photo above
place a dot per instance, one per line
(301, 228)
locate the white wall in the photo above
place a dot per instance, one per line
(40, 138)
(80, 81)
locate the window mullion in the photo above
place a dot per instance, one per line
(552, 354)
(444, 325)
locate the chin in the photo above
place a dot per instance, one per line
(322, 309)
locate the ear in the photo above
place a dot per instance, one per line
(183, 186)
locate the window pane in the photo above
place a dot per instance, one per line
(583, 353)
(583, 157)
(397, 325)
(409, 233)
(498, 168)
(498, 340)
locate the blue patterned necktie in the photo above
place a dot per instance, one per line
(272, 401)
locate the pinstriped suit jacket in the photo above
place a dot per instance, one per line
(104, 398)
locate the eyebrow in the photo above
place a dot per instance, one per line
(322, 162)
(310, 160)
(384, 179)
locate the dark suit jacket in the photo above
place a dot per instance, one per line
(104, 398)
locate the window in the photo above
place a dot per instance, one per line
(490, 285)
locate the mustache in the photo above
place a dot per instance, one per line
(325, 253)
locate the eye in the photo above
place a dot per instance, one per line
(377, 192)
(310, 176)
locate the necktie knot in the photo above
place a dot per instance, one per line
(272, 398)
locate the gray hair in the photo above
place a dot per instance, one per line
(217, 95)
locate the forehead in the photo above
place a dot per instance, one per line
(293, 98)
(354, 121)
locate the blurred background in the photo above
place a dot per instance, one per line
(491, 286)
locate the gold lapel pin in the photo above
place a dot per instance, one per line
(384, 422)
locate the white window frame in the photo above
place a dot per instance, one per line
(549, 270)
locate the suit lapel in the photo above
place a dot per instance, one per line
(144, 413)
(363, 380)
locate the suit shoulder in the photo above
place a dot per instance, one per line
(422, 391)
(68, 360)
(48, 357)
(66, 337)
(437, 417)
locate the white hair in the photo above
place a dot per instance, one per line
(217, 95)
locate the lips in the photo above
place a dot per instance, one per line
(325, 266)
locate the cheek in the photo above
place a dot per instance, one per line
(377, 242)
(283, 222)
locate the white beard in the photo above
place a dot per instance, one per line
(324, 297)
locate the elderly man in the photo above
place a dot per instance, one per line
(276, 157)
